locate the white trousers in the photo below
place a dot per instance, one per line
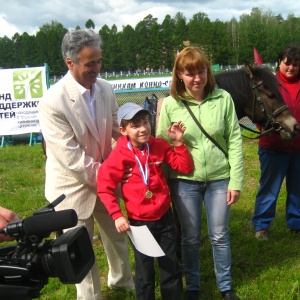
(116, 249)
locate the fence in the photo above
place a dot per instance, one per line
(138, 96)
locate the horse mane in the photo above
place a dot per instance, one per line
(238, 84)
(269, 79)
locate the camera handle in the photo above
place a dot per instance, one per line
(50, 207)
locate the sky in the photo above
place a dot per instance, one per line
(19, 16)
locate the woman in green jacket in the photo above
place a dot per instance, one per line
(218, 175)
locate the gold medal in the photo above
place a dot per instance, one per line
(148, 194)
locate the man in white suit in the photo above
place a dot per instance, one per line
(78, 121)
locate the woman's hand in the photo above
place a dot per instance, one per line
(232, 196)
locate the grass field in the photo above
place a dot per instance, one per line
(260, 270)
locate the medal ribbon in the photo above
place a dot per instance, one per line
(145, 174)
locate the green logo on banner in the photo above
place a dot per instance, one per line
(27, 84)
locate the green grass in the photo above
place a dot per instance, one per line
(260, 270)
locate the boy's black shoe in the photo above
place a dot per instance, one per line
(229, 295)
(191, 295)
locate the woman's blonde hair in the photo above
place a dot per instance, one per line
(192, 59)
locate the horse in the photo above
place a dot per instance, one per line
(255, 93)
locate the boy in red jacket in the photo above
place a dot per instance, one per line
(146, 195)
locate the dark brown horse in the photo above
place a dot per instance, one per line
(255, 94)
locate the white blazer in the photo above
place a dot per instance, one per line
(76, 146)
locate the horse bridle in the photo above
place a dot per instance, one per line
(275, 126)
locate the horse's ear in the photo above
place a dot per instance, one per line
(248, 69)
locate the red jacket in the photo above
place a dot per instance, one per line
(273, 141)
(137, 205)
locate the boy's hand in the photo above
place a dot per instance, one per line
(122, 225)
(175, 132)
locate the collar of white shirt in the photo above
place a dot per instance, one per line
(89, 95)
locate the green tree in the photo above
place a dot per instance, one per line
(222, 52)
(15, 51)
(6, 46)
(111, 51)
(290, 31)
(41, 40)
(200, 32)
(128, 48)
(89, 24)
(272, 26)
(232, 29)
(54, 33)
(169, 44)
(260, 29)
(27, 49)
(180, 33)
(151, 45)
(144, 34)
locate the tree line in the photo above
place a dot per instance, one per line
(151, 45)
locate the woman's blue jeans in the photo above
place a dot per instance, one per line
(188, 197)
(275, 166)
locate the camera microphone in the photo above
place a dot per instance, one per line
(42, 223)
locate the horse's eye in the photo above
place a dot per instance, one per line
(271, 95)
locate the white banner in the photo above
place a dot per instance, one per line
(20, 92)
(142, 83)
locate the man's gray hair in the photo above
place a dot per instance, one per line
(75, 40)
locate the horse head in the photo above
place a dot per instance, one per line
(268, 108)
(255, 94)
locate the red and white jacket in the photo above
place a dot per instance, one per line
(138, 207)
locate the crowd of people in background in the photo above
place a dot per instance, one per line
(80, 122)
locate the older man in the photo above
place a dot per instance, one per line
(78, 122)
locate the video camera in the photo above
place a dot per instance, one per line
(26, 266)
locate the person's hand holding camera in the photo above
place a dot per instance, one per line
(6, 216)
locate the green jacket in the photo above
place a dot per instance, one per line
(217, 115)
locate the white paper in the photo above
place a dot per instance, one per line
(144, 241)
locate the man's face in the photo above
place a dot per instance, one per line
(88, 67)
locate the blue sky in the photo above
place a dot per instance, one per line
(27, 16)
